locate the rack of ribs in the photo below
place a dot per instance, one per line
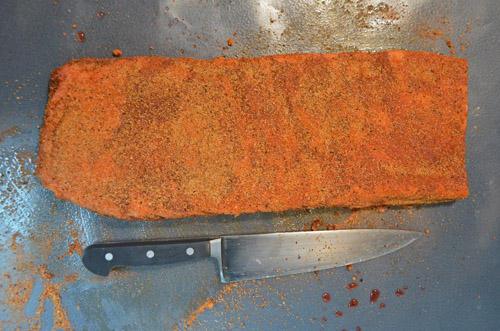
(150, 138)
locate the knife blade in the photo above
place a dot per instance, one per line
(255, 256)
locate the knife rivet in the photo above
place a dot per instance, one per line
(150, 254)
(190, 251)
(108, 256)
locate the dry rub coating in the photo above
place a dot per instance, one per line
(154, 138)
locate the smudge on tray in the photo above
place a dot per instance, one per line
(209, 304)
(9, 133)
(24, 274)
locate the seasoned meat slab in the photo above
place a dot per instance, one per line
(154, 138)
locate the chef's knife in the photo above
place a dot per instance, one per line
(254, 256)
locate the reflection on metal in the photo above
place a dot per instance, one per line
(277, 254)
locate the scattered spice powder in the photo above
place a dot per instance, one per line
(315, 225)
(209, 304)
(75, 247)
(9, 133)
(71, 278)
(14, 244)
(51, 292)
(451, 47)
(27, 263)
(45, 273)
(434, 35)
(19, 293)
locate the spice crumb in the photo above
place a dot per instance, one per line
(230, 42)
(315, 225)
(352, 286)
(117, 53)
(382, 208)
(353, 303)
(81, 36)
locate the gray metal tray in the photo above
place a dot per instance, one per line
(451, 274)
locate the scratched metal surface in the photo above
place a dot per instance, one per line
(457, 262)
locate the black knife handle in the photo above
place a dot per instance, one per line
(101, 258)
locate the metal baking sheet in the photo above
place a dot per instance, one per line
(449, 278)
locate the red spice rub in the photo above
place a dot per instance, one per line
(153, 138)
